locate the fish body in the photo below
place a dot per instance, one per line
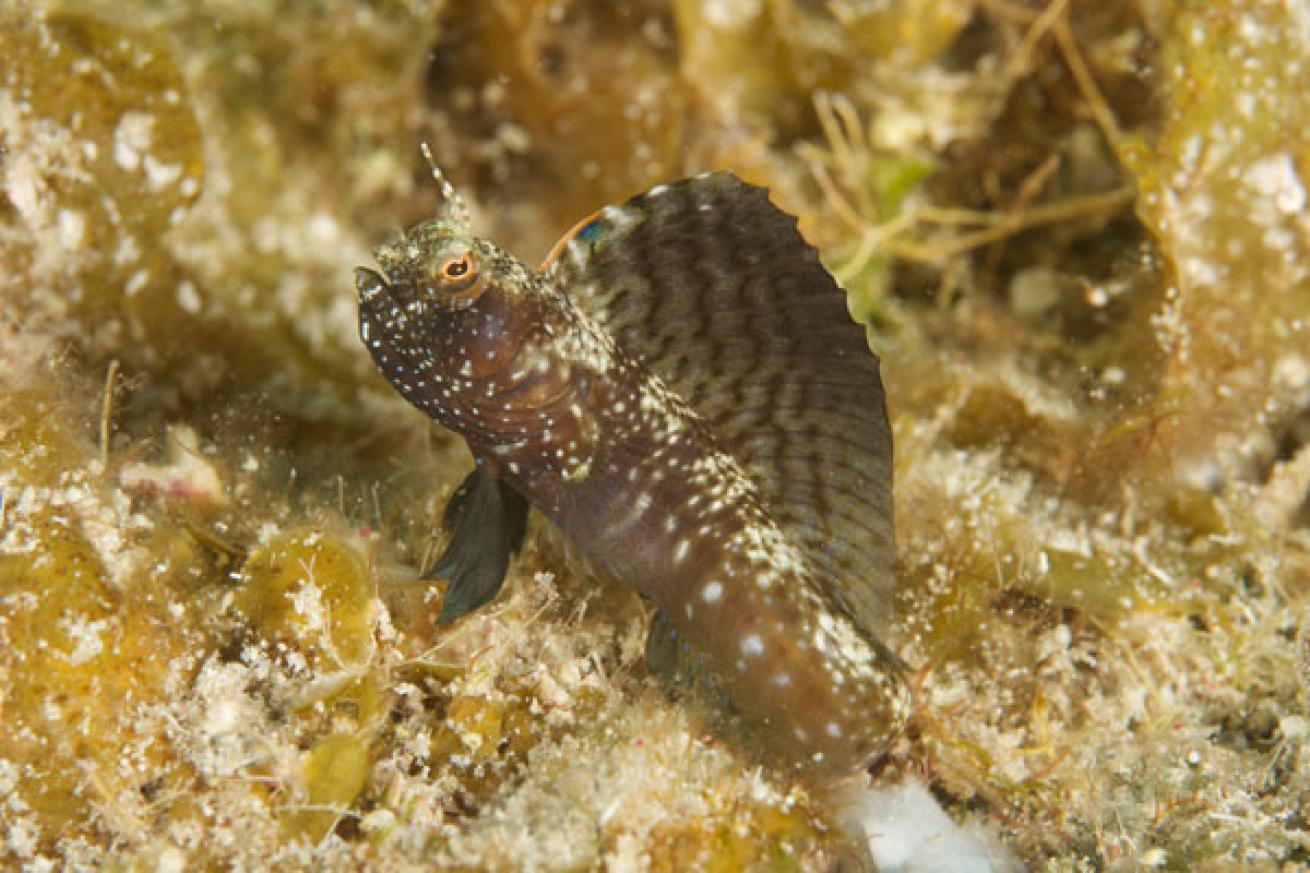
(665, 472)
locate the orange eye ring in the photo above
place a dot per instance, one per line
(457, 273)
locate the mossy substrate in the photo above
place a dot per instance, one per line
(1078, 232)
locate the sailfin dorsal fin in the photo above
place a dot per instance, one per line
(714, 289)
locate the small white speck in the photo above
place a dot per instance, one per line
(138, 280)
(752, 645)
(712, 592)
(187, 297)
(72, 227)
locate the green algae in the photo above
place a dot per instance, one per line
(1220, 180)
(766, 837)
(89, 642)
(332, 775)
(312, 591)
(112, 159)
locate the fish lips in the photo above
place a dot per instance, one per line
(377, 302)
(386, 317)
(374, 291)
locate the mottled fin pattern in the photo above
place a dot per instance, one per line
(487, 520)
(714, 289)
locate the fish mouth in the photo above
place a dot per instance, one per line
(394, 290)
(385, 321)
(377, 299)
(372, 287)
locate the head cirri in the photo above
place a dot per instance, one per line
(443, 316)
(438, 266)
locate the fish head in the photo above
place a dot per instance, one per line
(443, 291)
(437, 267)
(443, 312)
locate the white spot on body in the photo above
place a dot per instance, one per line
(712, 592)
(640, 504)
(752, 645)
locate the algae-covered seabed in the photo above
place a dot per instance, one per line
(1078, 232)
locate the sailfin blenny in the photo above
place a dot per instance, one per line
(680, 391)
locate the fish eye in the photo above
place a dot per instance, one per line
(455, 273)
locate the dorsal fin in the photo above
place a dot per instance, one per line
(714, 289)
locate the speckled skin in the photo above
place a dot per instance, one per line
(638, 483)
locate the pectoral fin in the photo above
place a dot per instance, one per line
(671, 659)
(662, 649)
(487, 520)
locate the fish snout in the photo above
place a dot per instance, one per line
(371, 286)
